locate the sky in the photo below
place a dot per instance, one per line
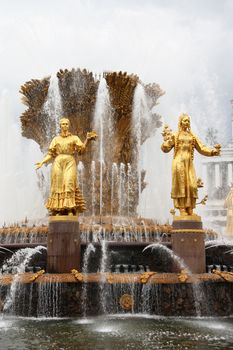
(186, 46)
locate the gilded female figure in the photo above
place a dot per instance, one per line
(229, 205)
(184, 181)
(65, 196)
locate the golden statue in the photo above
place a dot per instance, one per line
(184, 181)
(65, 196)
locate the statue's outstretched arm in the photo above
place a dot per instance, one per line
(50, 155)
(44, 161)
(92, 135)
(206, 151)
(81, 146)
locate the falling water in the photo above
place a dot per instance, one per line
(53, 103)
(218, 242)
(129, 189)
(17, 263)
(81, 176)
(117, 290)
(198, 297)
(121, 190)
(140, 112)
(169, 252)
(103, 268)
(113, 184)
(90, 248)
(93, 179)
(145, 231)
(103, 126)
(53, 108)
(198, 292)
(146, 298)
(104, 256)
(49, 294)
(43, 181)
(151, 298)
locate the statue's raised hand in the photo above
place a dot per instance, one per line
(38, 165)
(217, 149)
(167, 134)
(92, 135)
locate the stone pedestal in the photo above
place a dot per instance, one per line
(188, 242)
(64, 245)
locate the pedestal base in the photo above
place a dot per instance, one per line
(188, 242)
(64, 251)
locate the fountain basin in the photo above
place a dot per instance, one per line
(116, 278)
(61, 295)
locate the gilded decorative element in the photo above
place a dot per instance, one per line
(79, 276)
(110, 278)
(36, 275)
(184, 181)
(146, 276)
(65, 196)
(183, 276)
(229, 205)
(126, 301)
(227, 276)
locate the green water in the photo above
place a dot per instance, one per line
(116, 332)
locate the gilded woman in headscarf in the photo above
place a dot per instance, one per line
(65, 196)
(184, 180)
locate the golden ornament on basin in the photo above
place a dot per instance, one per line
(126, 301)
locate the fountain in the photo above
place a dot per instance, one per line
(108, 259)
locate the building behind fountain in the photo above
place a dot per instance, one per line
(218, 179)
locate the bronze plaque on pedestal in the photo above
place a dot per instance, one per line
(63, 245)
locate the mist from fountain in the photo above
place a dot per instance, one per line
(17, 181)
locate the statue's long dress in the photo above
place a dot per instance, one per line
(184, 181)
(64, 190)
(229, 205)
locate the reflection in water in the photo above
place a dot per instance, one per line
(117, 332)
